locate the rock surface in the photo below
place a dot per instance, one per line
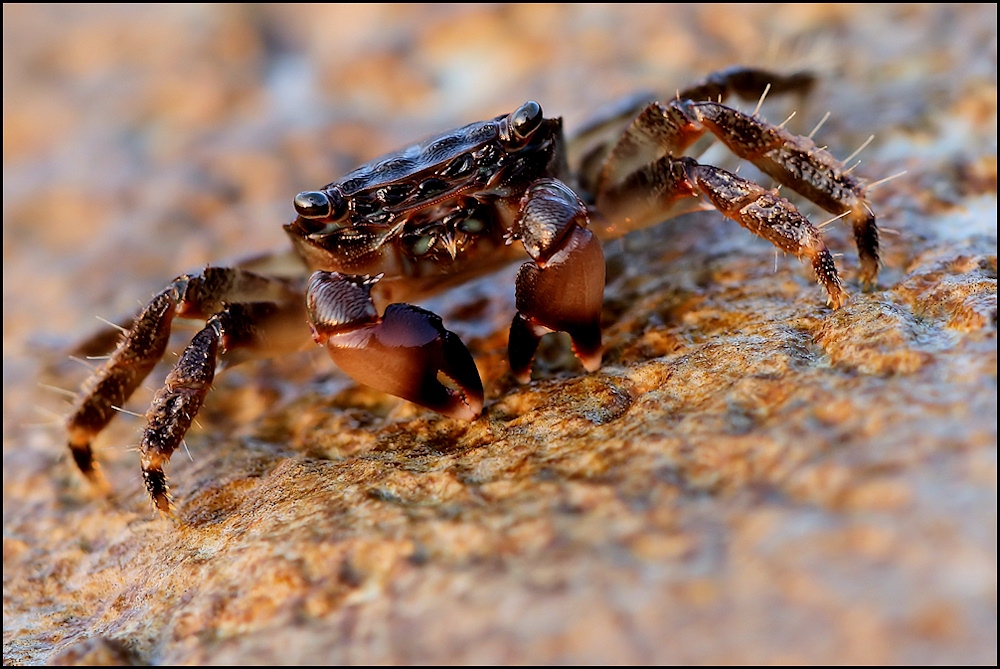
(750, 478)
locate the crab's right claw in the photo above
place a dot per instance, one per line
(405, 353)
(562, 287)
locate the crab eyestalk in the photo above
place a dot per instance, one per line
(403, 353)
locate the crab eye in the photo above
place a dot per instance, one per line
(312, 204)
(526, 119)
(320, 204)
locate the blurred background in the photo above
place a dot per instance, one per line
(184, 130)
(141, 141)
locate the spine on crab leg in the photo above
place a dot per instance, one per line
(405, 352)
(561, 289)
(796, 162)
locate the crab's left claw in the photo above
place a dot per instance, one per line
(405, 352)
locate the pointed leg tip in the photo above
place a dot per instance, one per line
(97, 481)
(90, 468)
(159, 493)
(164, 504)
(165, 507)
(837, 300)
(836, 296)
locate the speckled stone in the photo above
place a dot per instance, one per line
(750, 478)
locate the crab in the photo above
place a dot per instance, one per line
(457, 205)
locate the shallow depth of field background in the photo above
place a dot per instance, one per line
(751, 478)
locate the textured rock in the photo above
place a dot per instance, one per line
(750, 478)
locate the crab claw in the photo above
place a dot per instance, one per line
(562, 287)
(404, 353)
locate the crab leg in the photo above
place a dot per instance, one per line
(793, 161)
(748, 83)
(592, 144)
(187, 297)
(670, 183)
(561, 288)
(404, 352)
(247, 326)
(115, 382)
(798, 163)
